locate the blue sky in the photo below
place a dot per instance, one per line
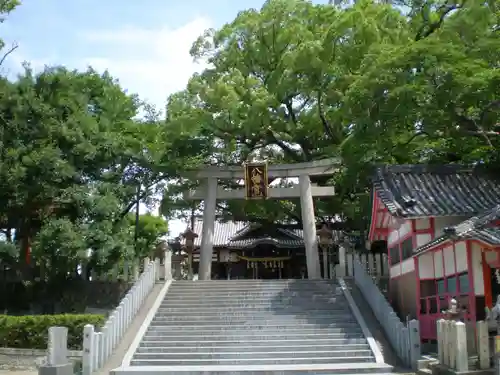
(144, 44)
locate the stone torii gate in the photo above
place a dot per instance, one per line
(210, 192)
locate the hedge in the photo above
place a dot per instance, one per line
(31, 331)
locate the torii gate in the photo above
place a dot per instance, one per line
(305, 191)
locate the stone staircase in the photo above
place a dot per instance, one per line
(254, 327)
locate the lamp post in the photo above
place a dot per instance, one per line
(189, 237)
(325, 241)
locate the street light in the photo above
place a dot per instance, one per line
(189, 237)
(325, 241)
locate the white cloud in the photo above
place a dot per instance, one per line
(152, 63)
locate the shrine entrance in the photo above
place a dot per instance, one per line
(267, 268)
(256, 178)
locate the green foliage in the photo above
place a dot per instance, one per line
(150, 230)
(296, 82)
(71, 158)
(31, 331)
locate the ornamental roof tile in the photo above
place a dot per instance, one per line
(434, 190)
(478, 227)
(233, 234)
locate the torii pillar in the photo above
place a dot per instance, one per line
(305, 191)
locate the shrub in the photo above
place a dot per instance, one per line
(31, 331)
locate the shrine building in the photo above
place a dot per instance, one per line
(243, 250)
(440, 226)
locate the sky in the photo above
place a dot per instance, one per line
(145, 44)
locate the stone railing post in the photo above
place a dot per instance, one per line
(88, 349)
(461, 354)
(415, 348)
(168, 264)
(483, 345)
(157, 269)
(440, 340)
(342, 262)
(145, 265)
(57, 353)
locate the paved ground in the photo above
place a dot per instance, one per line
(18, 365)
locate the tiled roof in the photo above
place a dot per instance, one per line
(232, 233)
(477, 227)
(428, 190)
(252, 242)
(223, 231)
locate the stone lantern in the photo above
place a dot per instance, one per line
(189, 237)
(325, 243)
(454, 312)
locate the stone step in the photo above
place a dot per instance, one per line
(256, 296)
(281, 369)
(212, 291)
(257, 281)
(250, 336)
(176, 286)
(255, 284)
(277, 326)
(250, 356)
(252, 288)
(222, 302)
(293, 360)
(230, 343)
(154, 331)
(256, 291)
(255, 315)
(269, 326)
(256, 308)
(319, 319)
(272, 297)
(251, 348)
(257, 302)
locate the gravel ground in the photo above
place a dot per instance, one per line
(10, 363)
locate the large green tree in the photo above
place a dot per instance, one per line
(370, 83)
(73, 162)
(435, 98)
(276, 87)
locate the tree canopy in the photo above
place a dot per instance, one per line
(414, 82)
(72, 160)
(371, 83)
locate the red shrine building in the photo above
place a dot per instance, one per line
(440, 226)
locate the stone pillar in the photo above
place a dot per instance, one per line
(325, 262)
(342, 261)
(207, 237)
(309, 228)
(57, 354)
(167, 263)
(177, 267)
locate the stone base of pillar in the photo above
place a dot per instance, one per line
(66, 369)
(177, 267)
